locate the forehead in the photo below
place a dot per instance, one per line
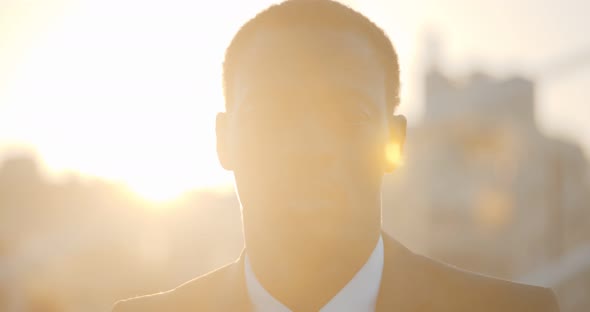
(304, 60)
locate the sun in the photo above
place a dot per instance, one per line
(111, 101)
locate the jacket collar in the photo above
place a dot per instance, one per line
(400, 273)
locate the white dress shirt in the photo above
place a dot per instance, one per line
(360, 294)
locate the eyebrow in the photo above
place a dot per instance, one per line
(359, 97)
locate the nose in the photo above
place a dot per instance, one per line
(309, 145)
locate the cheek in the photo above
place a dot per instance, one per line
(364, 162)
(245, 146)
(255, 160)
(371, 151)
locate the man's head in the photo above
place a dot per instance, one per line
(310, 89)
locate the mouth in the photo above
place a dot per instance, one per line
(313, 199)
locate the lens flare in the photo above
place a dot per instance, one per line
(393, 152)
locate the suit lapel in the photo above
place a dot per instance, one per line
(401, 283)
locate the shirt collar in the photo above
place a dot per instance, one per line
(360, 294)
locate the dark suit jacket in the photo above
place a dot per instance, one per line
(410, 282)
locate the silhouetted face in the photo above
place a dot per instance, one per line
(306, 133)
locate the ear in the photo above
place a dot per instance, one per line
(221, 131)
(395, 144)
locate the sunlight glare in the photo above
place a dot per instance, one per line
(393, 153)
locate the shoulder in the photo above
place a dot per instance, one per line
(458, 290)
(197, 294)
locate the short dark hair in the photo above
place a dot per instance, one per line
(316, 13)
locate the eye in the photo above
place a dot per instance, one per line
(363, 116)
(354, 114)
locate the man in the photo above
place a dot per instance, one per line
(309, 130)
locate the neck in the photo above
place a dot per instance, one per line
(305, 272)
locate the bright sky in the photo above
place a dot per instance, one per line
(128, 89)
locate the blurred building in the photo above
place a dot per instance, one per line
(81, 244)
(484, 189)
